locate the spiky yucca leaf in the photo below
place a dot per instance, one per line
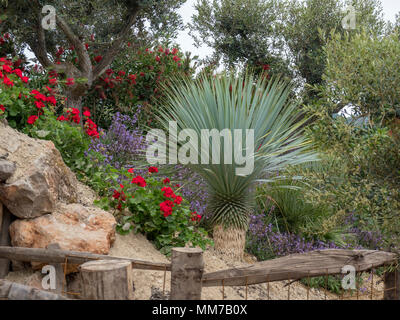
(225, 102)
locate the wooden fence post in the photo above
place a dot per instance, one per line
(186, 273)
(59, 271)
(5, 221)
(106, 280)
(392, 285)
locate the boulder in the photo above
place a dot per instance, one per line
(7, 169)
(39, 179)
(73, 226)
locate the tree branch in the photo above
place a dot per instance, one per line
(116, 46)
(83, 56)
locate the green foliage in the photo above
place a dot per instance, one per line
(17, 102)
(69, 139)
(143, 214)
(157, 19)
(241, 32)
(152, 68)
(304, 20)
(362, 71)
(366, 144)
(238, 103)
(290, 212)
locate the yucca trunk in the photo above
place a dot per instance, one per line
(229, 241)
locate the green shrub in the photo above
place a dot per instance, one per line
(290, 212)
(69, 139)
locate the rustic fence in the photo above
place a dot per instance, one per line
(106, 277)
(319, 263)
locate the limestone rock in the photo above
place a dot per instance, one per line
(40, 178)
(7, 168)
(73, 226)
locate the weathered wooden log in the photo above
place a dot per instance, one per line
(186, 273)
(5, 218)
(106, 280)
(298, 266)
(391, 285)
(74, 257)
(16, 291)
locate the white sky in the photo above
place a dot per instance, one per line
(390, 7)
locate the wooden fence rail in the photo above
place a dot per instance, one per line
(73, 257)
(298, 266)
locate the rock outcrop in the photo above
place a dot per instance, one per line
(36, 176)
(73, 226)
(53, 207)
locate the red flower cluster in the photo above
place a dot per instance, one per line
(166, 207)
(32, 119)
(139, 181)
(41, 99)
(168, 192)
(90, 126)
(73, 115)
(6, 67)
(120, 196)
(153, 170)
(195, 216)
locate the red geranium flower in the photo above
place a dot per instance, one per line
(166, 207)
(139, 181)
(168, 192)
(98, 59)
(195, 216)
(70, 81)
(2, 108)
(153, 169)
(8, 82)
(32, 119)
(39, 104)
(130, 170)
(51, 100)
(116, 194)
(166, 180)
(7, 68)
(178, 200)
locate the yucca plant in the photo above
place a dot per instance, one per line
(229, 102)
